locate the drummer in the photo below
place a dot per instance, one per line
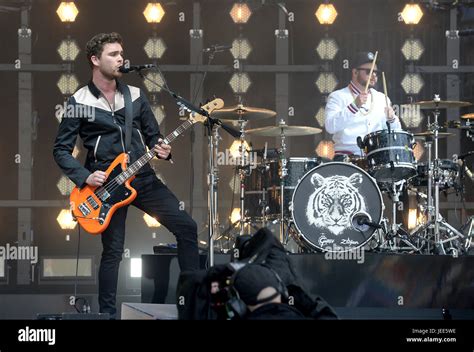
(351, 112)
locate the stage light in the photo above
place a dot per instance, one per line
(151, 221)
(65, 185)
(151, 77)
(412, 83)
(155, 48)
(68, 50)
(65, 220)
(235, 216)
(327, 49)
(234, 149)
(241, 48)
(326, 82)
(412, 14)
(411, 115)
(67, 84)
(325, 149)
(153, 12)
(412, 49)
(159, 112)
(240, 82)
(240, 13)
(67, 11)
(234, 183)
(326, 14)
(412, 218)
(320, 117)
(135, 267)
(418, 151)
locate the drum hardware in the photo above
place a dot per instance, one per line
(435, 220)
(241, 112)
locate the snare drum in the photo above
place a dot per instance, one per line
(390, 155)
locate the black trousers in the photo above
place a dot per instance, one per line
(155, 199)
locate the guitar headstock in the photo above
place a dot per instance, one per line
(209, 107)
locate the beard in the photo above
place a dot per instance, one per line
(363, 82)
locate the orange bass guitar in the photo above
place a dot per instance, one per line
(93, 207)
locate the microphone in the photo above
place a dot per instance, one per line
(362, 221)
(216, 48)
(131, 68)
(459, 33)
(465, 155)
(468, 171)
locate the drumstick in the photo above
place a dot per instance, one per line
(371, 71)
(385, 89)
(386, 99)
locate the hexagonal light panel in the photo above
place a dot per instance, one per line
(326, 82)
(320, 117)
(412, 49)
(153, 12)
(412, 14)
(241, 48)
(154, 48)
(234, 183)
(151, 221)
(240, 82)
(240, 13)
(65, 185)
(67, 11)
(65, 220)
(67, 84)
(68, 50)
(411, 115)
(159, 112)
(326, 14)
(325, 149)
(327, 49)
(412, 83)
(151, 77)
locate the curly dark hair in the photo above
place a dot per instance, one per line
(95, 45)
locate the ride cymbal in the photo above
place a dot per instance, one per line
(442, 104)
(241, 112)
(289, 131)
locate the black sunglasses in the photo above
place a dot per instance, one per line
(367, 70)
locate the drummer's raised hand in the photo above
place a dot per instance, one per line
(390, 114)
(361, 99)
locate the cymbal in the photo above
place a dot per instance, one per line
(467, 116)
(241, 112)
(442, 104)
(427, 134)
(289, 131)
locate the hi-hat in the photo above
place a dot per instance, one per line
(442, 104)
(427, 134)
(289, 131)
(468, 116)
(240, 112)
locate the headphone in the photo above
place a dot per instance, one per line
(237, 308)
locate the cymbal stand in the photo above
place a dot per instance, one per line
(242, 174)
(284, 173)
(434, 176)
(213, 177)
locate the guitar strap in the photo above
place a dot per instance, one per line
(128, 117)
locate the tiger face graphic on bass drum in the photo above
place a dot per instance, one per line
(334, 201)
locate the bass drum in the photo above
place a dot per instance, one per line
(328, 204)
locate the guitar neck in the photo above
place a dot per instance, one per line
(145, 158)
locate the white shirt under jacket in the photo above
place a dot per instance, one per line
(345, 121)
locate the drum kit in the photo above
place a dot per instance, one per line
(338, 206)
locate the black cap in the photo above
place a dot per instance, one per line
(361, 58)
(252, 279)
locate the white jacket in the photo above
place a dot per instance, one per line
(346, 121)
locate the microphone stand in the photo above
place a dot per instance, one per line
(213, 138)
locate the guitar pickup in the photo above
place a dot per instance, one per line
(85, 210)
(92, 202)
